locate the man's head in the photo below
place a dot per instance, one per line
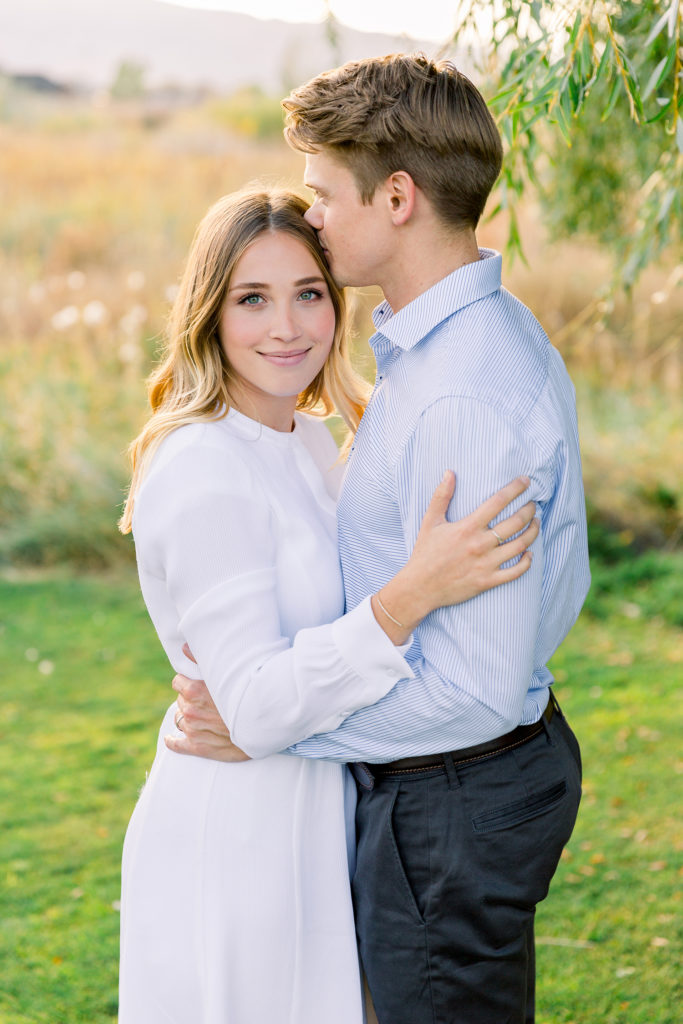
(402, 113)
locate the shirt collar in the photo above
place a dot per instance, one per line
(467, 284)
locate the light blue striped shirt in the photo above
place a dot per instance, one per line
(466, 380)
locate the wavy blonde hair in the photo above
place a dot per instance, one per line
(192, 383)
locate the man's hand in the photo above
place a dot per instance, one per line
(204, 731)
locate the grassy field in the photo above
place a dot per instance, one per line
(84, 684)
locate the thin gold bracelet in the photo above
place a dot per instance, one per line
(388, 614)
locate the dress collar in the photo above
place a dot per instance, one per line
(252, 430)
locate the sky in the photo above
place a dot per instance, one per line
(422, 19)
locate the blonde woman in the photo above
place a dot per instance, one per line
(232, 505)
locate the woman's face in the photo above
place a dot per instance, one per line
(276, 328)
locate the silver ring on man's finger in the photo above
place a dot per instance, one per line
(496, 534)
(179, 720)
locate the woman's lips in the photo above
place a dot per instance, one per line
(292, 358)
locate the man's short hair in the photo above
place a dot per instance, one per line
(403, 112)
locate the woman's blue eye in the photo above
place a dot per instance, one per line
(309, 294)
(251, 300)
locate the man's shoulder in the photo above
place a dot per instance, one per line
(493, 351)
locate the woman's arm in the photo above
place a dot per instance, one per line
(450, 562)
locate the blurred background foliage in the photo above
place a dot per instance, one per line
(101, 193)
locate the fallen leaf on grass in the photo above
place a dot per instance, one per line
(620, 658)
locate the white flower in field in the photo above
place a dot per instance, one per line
(45, 667)
(130, 352)
(94, 313)
(31, 654)
(171, 291)
(37, 293)
(75, 280)
(65, 318)
(133, 320)
(135, 281)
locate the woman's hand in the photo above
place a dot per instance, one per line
(452, 562)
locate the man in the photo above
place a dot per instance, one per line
(468, 774)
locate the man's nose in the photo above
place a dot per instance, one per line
(314, 216)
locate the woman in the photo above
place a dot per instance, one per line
(232, 507)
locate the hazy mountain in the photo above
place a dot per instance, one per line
(85, 41)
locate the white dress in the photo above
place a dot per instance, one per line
(235, 901)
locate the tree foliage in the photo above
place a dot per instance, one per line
(129, 81)
(596, 86)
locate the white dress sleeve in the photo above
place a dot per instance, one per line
(203, 525)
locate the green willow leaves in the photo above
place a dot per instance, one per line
(589, 98)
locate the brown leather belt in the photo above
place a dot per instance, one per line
(466, 755)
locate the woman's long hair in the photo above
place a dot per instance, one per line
(192, 383)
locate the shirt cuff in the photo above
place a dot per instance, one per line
(369, 652)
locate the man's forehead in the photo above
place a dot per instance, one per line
(314, 170)
(322, 170)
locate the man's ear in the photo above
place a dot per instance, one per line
(400, 192)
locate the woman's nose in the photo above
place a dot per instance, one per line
(285, 326)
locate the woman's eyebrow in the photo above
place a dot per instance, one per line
(247, 284)
(242, 285)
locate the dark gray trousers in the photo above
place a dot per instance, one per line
(451, 865)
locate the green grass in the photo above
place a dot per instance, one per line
(76, 743)
(84, 684)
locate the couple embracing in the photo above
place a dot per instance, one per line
(377, 763)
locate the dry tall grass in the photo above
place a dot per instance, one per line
(98, 208)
